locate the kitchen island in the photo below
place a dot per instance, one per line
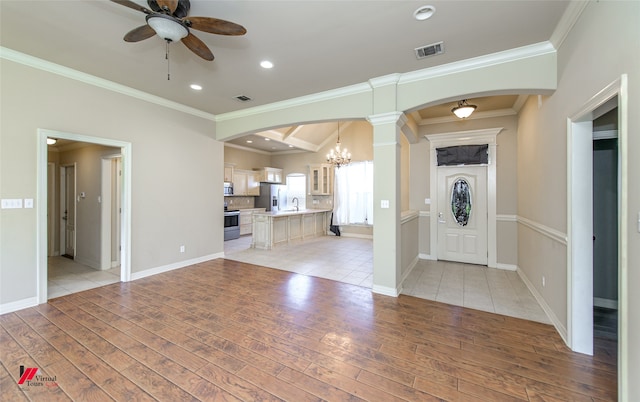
(271, 229)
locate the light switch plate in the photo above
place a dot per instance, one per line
(384, 203)
(28, 202)
(11, 203)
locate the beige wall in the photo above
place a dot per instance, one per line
(176, 171)
(247, 160)
(596, 53)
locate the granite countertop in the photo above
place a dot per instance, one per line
(292, 212)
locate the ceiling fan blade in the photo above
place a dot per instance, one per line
(214, 26)
(139, 33)
(131, 4)
(170, 5)
(197, 46)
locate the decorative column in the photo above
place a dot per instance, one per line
(386, 202)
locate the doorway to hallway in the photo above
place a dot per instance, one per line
(85, 252)
(87, 249)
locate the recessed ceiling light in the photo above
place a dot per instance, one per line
(267, 139)
(249, 142)
(266, 64)
(290, 146)
(424, 12)
(196, 87)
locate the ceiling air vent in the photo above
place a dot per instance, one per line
(429, 50)
(242, 98)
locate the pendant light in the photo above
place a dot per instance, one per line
(463, 110)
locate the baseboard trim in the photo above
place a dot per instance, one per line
(18, 305)
(175, 265)
(605, 303)
(550, 314)
(507, 267)
(356, 235)
(423, 256)
(385, 290)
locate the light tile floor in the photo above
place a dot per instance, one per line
(66, 276)
(350, 260)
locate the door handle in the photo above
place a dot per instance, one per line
(441, 218)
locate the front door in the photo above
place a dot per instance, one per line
(462, 214)
(69, 216)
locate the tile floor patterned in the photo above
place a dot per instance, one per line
(66, 276)
(350, 260)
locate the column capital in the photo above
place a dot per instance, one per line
(385, 118)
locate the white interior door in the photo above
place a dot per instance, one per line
(462, 214)
(69, 217)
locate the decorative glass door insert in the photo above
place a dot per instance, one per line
(461, 201)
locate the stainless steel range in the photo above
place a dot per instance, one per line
(231, 223)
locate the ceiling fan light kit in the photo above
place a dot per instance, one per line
(166, 27)
(463, 110)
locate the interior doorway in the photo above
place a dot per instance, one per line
(580, 224)
(605, 227)
(71, 196)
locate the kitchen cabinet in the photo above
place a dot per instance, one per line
(246, 182)
(270, 175)
(271, 229)
(320, 179)
(228, 172)
(246, 220)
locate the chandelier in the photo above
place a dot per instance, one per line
(339, 157)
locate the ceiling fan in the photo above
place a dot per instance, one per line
(169, 19)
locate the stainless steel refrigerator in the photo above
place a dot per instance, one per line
(273, 197)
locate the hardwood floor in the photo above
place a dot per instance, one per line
(224, 330)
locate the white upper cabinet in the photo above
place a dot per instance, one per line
(320, 179)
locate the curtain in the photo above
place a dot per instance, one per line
(463, 155)
(353, 194)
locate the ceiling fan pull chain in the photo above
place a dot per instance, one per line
(166, 56)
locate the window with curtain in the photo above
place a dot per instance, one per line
(353, 194)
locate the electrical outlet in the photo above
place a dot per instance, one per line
(543, 281)
(182, 249)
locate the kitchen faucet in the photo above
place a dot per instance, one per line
(295, 199)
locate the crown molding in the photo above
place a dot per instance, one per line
(567, 21)
(505, 56)
(44, 65)
(294, 102)
(391, 79)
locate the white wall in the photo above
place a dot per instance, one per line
(176, 171)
